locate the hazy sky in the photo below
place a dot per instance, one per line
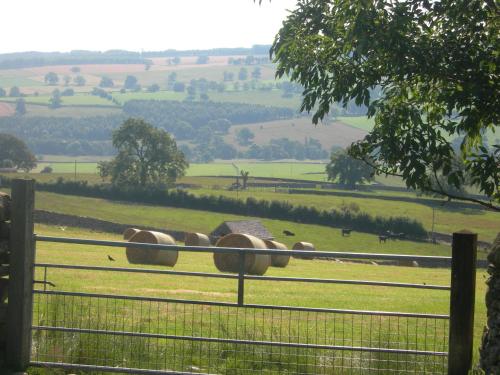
(63, 25)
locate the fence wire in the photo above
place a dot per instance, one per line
(118, 332)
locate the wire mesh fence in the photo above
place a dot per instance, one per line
(124, 334)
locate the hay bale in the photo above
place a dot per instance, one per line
(303, 246)
(278, 260)
(196, 239)
(148, 256)
(255, 264)
(129, 233)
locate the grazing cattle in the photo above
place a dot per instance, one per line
(288, 233)
(382, 238)
(346, 232)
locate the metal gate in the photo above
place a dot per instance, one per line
(121, 333)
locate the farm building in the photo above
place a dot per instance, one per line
(252, 227)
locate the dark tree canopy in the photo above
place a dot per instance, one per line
(14, 153)
(348, 171)
(435, 65)
(51, 78)
(147, 156)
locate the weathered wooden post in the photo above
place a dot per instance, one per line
(462, 296)
(4, 270)
(21, 269)
(490, 348)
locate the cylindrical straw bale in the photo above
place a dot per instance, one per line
(129, 233)
(303, 246)
(196, 239)
(255, 264)
(278, 260)
(148, 256)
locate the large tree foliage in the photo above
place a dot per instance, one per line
(15, 154)
(147, 156)
(348, 171)
(435, 65)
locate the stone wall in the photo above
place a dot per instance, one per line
(490, 350)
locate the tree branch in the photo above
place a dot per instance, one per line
(488, 205)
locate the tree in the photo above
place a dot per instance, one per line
(15, 92)
(202, 60)
(20, 107)
(179, 87)
(243, 74)
(55, 101)
(106, 82)
(3, 92)
(147, 65)
(67, 80)
(256, 73)
(244, 136)
(347, 170)
(244, 178)
(176, 60)
(15, 152)
(130, 83)
(51, 78)
(435, 65)
(80, 80)
(75, 69)
(147, 156)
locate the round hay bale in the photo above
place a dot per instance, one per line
(196, 239)
(278, 260)
(130, 232)
(303, 246)
(255, 264)
(148, 256)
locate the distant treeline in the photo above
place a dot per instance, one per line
(92, 135)
(183, 119)
(359, 221)
(256, 49)
(32, 59)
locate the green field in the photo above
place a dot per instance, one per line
(257, 292)
(76, 100)
(324, 238)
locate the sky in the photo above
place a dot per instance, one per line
(135, 25)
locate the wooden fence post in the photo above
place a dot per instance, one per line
(4, 271)
(22, 256)
(462, 296)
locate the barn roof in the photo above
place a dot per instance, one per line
(252, 227)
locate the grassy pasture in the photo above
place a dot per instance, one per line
(258, 292)
(447, 220)
(324, 238)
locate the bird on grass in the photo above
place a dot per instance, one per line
(288, 233)
(110, 258)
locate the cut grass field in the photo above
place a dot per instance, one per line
(447, 220)
(256, 292)
(298, 129)
(324, 238)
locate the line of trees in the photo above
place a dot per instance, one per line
(359, 221)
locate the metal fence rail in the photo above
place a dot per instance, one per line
(147, 335)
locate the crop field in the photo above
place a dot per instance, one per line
(299, 129)
(256, 292)
(6, 109)
(71, 111)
